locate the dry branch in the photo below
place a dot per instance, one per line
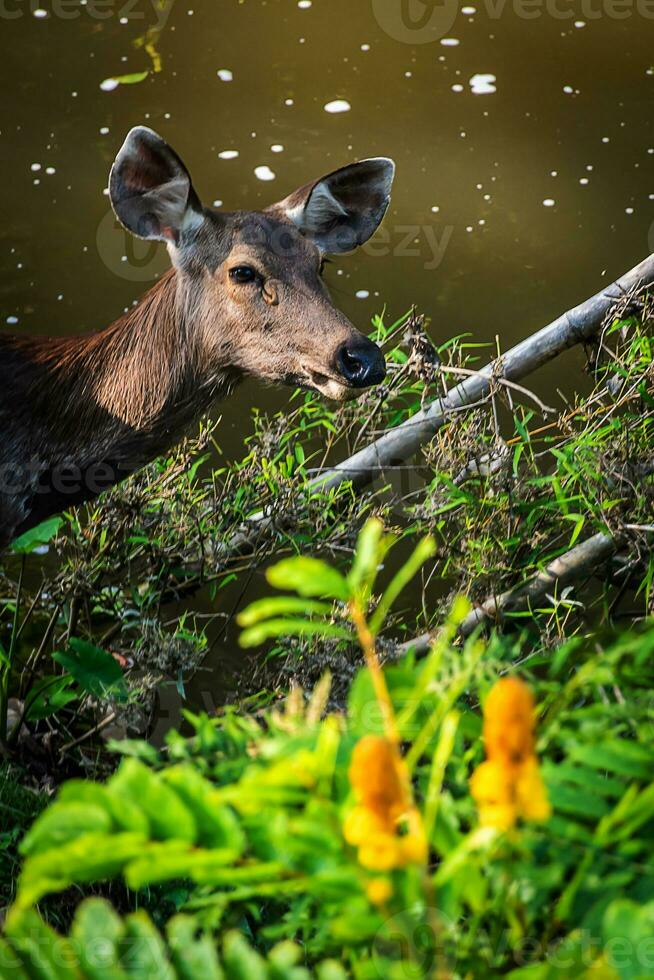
(398, 444)
(574, 327)
(581, 560)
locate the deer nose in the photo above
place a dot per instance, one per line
(361, 363)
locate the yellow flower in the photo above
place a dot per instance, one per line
(413, 847)
(381, 852)
(379, 891)
(531, 793)
(362, 823)
(377, 775)
(509, 785)
(509, 721)
(380, 785)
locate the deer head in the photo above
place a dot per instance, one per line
(251, 280)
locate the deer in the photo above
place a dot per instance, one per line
(244, 296)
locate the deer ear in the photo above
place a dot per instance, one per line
(343, 209)
(150, 188)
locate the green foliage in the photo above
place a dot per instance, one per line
(244, 823)
(308, 577)
(101, 945)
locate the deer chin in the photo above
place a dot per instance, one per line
(332, 388)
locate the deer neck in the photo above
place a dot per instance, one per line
(126, 393)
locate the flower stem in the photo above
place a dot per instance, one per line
(367, 642)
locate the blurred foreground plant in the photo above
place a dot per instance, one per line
(249, 824)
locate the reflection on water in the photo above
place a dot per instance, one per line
(523, 136)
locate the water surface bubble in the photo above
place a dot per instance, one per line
(483, 83)
(225, 75)
(362, 293)
(549, 202)
(337, 105)
(264, 172)
(228, 154)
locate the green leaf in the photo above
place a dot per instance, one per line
(308, 577)
(258, 634)
(98, 933)
(194, 956)
(124, 813)
(367, 558)
(169, 818)
(132, 79)
(37, 537)
(281, 606)
(167, 861)
(629, 929)
(621, 757)
(94, 669)
(145, 956)
(241, 961)
(46, 955)
(10, 962)
(217, 824)
(90, 857)
(49, 695)
(64, 822)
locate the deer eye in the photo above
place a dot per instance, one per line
(243, 274)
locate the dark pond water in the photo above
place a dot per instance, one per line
(523, 134)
